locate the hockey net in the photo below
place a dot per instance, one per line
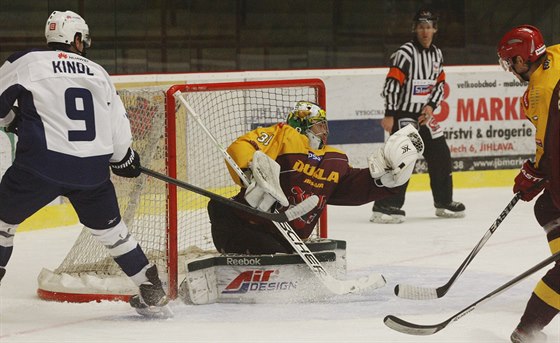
(172, 224)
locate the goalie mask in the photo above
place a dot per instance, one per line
(311, 120)
(62, 27)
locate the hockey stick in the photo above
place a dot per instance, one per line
(291, 214)
(415, 329)
(424, 293)
(335, 286)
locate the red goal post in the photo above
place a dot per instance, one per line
(171, 224)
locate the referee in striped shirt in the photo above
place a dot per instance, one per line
(413, 89)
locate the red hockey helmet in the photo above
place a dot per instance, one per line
(525, 41)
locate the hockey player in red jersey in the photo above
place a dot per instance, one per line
(298, 163)
(522, 52)
(71, 127)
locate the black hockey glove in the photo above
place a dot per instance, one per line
(129, 166)
(13, 126)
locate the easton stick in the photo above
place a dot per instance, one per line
(425, 293)
(403, 326)
(339, 287)
(288, 215)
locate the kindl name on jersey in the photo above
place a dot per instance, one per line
(70, 67)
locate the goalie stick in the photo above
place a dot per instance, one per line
(425, 293)
(336, 286)
(403, 326)
(290, 214)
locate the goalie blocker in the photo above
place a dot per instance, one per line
(231, 278)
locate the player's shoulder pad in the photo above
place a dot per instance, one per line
(286, 129)
(19, 54)
(551, 64)
(268, 128)
(271, 131)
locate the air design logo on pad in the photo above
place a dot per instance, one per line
(258, 281)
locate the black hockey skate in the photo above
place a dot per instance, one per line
(387, 215)
(152, 301)
(521, 336)
(453, 209)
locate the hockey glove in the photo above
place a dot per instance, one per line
(264, 189)
(129, 166)
(392, 165)
(12, 127)
(528, 177)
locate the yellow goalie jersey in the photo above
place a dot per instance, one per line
(304, 172)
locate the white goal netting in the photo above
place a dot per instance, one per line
(170, 225)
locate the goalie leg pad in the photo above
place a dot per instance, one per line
(199, 287)
(266, 278)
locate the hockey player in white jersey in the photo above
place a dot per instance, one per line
(71, 127)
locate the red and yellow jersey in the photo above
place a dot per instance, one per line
(536, 100)
(305, 172)
(541, 103)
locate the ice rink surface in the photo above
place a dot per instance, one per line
(423, 251)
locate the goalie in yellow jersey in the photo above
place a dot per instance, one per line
(291, 161)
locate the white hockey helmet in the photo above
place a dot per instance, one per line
(61, 27)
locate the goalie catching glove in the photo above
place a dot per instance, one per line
(392, 165)
(264, 189)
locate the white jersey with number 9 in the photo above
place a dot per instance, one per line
(72, 120)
